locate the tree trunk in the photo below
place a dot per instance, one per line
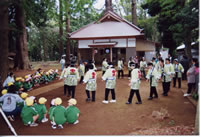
(188, 47)
(67, 32)
(21, 39)
(42, 32)
(108, 4)
(134, 13)
(4, 29)
(60, 27)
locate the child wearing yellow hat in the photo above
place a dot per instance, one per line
(19, 84)
(41, 109)
(58, 114)
(29, 115)
(23, 95)
(72, 112)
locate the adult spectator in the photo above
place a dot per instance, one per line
(185, 63)
(9, 79)
(196, 77)
(191, 78)
(10, 101)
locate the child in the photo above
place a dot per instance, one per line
(134, 83)
(19, 84)
(110, 78)
(41, 109)
(90, 81)
(27, 84)
(72, 112)
(129, 67)
(64, 76)
(104, 66)
(81, 71)
(72, 77)
(58, 114)
(29, 115)
(143, 65)
(23, 95)
(166, 71)
(152, 76)
(52, 106)
(120, 68)
(178, 68)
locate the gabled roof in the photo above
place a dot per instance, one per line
(110, 25)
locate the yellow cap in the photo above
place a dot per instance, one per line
(72, 101)
(29, 101)
(47, 73)
(4, 91)
(24, 95)
(23, 80)
(18, 78)
(10, 83)
(42, 100)
(58, 101)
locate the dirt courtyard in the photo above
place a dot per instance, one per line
(117, 118)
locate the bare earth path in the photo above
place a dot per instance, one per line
(112, 119)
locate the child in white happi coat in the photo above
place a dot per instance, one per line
(110, 78)
(72, 77)
(178, 68)
(64, 76)
(104, 66)
(120, 66)
(81, 71)
(134, 83)
(152, 77)
(90, 81)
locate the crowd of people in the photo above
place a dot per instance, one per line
(15, 99)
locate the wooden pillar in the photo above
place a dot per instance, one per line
(92, 53)
(110, 54)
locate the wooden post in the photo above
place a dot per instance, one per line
(110, 54)
(93, 53)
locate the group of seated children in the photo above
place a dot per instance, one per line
(31, 80)
(33, 111)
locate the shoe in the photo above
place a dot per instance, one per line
(60, 126)
(150, 98)
(54, 126)
(76, 122)
(155, 97)
(112, 101)
(129, 78)
(11, 118)
(128, 103)
(165, 94)
(186, 94)
(138, 102)
(53, 123)
(44, 120)
(87, 100)
(105, 102)
(33, 124)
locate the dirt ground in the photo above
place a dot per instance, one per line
(117, 118)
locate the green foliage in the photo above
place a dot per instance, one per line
(176, 20)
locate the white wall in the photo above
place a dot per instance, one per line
(120, 42)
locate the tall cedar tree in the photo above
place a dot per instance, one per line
(4, 29)
(67, 31)
(134, 13)
(60, 27)
(21, 39)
